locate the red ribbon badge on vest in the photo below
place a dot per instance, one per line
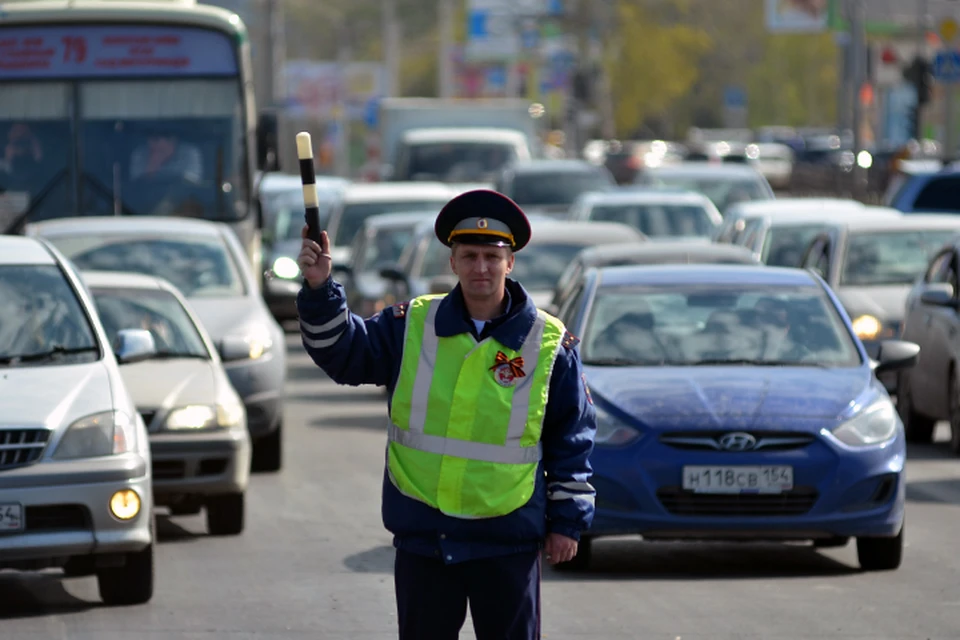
(506, 371)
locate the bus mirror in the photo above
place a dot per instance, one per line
(267, 142)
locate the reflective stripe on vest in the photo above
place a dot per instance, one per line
(465, 426)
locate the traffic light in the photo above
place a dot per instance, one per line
(919, 74)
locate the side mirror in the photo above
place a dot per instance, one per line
(938, 295)
(392, 272)
(895, 355)
(268, 156)
(234, 348)
(134, 345)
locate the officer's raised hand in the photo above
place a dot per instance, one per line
(315, 260)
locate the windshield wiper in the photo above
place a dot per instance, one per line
(754, 362)
(170, 355)
(52, 354)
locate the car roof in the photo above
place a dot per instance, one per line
(910, 222)
(553, 166)
(122, 280)
(114, 224)
(827, 215)
(23, 250)
(640, 196)
(705, 169)
(662, 249)
(275, 181)
(582, 232)
(781, 206)
(695, 274)
(399, 219)
(392, 191)
(465, 134)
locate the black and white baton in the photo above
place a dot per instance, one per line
(308, 176)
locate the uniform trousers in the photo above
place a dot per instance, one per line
(503, 593)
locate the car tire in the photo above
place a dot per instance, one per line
(918, 428)
(133, 582)
(880, 554)
(955, 413)
(268, 451)
(225, 514)
(581, 561)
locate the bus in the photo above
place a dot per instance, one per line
(128, 108)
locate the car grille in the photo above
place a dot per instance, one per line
(57, 517)
(19, 447)
(795, 502)
(711, 440)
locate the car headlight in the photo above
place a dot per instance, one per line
(874, 425)
(100, 434)
(198, 417)
(286, 268)
(613, 432)
(867, 327)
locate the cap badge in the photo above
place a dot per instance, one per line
(506, 371)
(482, 223)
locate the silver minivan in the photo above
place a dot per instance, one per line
(75, 467)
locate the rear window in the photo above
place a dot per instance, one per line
(940, 194)
(556, 188)
(658, 220)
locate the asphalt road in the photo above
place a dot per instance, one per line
(315, 562)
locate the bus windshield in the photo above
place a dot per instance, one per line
(121, 131)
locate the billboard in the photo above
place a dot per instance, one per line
(797, 16)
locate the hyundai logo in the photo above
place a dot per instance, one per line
(737, 441)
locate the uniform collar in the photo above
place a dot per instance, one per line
(508, 329)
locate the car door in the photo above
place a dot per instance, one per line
(936, 329)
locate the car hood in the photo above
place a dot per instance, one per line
(158, 384)
(884, 303)
(54, 396)
(738, 397)
(226, 316)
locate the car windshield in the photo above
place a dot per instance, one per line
(722, 191)
(686, 325)
(784, 245)
(353, 215)
(285, 216)
(198, 266)
(156, 311)
(658, 220)
(41, 318)
(539, 266)
(384, 247)
(890, 257)
(137, 147)
(543, 188)
(456, 161)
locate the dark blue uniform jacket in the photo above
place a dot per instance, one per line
(355, 351)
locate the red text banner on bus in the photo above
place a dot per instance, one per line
(71, 51)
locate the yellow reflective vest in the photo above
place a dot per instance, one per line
(466, 416)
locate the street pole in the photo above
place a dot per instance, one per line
(859, 59)
(342, 119)
(445, 82)
(390, 32)
(949, 123)
(923, 9)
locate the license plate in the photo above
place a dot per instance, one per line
(767, 479)
(11, 517)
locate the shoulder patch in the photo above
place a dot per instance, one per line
(400, 309)
(569, 341)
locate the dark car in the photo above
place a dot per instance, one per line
(549, 187)
(724, 184)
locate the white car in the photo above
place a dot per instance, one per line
(75, 478)
(196, 420)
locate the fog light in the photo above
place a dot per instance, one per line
(125, 504)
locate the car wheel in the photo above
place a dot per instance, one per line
(581, 561)
(955, 413)
(133, 582)
(880, 554)
(918, 427)
(268, 451)
(225, 514)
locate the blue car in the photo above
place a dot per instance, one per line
(736, 402)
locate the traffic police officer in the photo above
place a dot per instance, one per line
(490, 431)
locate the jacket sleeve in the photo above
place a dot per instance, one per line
(350, 349)
(568, 434)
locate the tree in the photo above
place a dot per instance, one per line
(650, 65)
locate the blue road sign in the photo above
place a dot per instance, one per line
(946, 67)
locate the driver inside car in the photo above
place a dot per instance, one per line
(165, 157)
